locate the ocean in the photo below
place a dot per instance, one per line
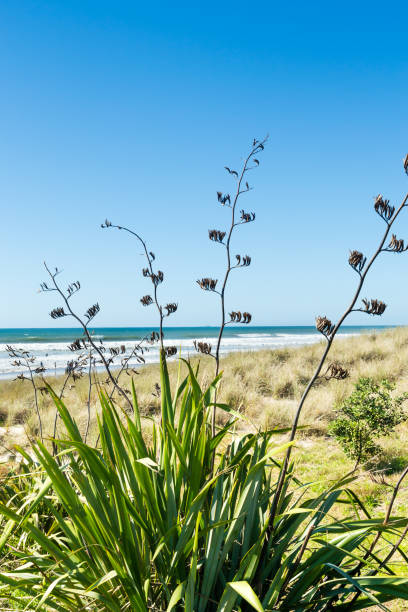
(50, 346)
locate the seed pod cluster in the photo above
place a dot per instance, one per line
(243, 261)
(169, 351)
(208, 284)
(233, 172)
(106, 224)
(240, 317)
(216, 235)
(157, 278)
(73, 288)
(324, 326)
(171, 308)
(383, 208)
(154, 337)
(92, 312)
(117, 350)
(374, 307)
(75, 368)
(146, 300)
(57, 313)
(223, 198)
(77, 345)
(247, 217)
(396, 246)
(202, 347)
(336, 371)
(357, 260)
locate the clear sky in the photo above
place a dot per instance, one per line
(130, 111)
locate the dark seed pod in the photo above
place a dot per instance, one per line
(383, 208)
(157, 278)
(234, 172)
(324, 326)
(247, 217)
(73, 288)
(171, 308)
(237, 316)
(223, 198)
(169, 351)
(146, 272)
(395, 245)
(357, 260)
(106, 224)
(202, 347)
(92, 311)
(406, 163)
(336, 371)
(374, 307)
(243, 261)
(57, 313)
(147, 300)
(216, 235)
(76, 345)
(154, 337)
(208, 284)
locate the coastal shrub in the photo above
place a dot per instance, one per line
(137, 526)
(369, 413)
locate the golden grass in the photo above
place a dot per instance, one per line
(265, 386)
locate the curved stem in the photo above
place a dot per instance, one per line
(149, 262)
(36, 401)
(256, 147)
(126, 361)
(89, 396)
(54, 446)
(330, 340)
(89, 337)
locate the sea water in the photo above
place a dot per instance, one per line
(50, 346)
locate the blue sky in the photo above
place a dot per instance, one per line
(130, 111)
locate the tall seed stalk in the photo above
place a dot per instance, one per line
(224, 238)
(375, 307)
(156, 277)
(60, 312)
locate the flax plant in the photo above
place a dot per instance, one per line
(137, 526)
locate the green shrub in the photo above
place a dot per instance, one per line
(369, 413)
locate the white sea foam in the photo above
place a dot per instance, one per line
(54, 355)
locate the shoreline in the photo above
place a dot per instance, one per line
(51, 347)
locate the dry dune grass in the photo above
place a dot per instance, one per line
(264, 385)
